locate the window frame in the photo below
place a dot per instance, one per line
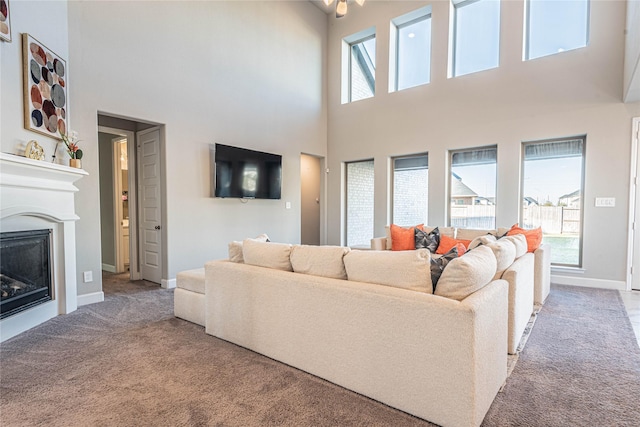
(346, 67)
(346, 198)
(453, 24)
(582, 190)
(527, 33)
(398, 23)
(392, 183)
(450, 173)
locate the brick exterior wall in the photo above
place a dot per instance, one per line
(360, 183)
(410, 196)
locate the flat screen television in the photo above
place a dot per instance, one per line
(246, 174)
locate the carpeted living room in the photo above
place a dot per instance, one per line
(370, 115)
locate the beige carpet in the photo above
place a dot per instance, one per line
(128, 361)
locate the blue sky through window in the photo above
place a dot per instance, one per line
(477, 36)
(556, 26)
(414, 54)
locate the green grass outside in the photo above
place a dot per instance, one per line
(565, 248)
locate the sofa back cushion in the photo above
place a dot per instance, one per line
(482, 240)
(505, 253)
(470, 234)
(235, 248)
(324, 261)
(400, 269)
(520, 242)
(267, 254)
(466, 274)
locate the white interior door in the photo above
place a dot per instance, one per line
(150, 229)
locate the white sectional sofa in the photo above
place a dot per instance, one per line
(437, 358)
(528, 278)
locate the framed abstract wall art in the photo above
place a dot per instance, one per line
(5, 21)
(45, 89)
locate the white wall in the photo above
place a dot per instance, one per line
(250, 74)
(573, 93)
(47, 22)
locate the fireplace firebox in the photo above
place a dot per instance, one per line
(25, 270)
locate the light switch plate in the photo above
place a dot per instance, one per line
(88, 276)
(287, 205)
(605, 202)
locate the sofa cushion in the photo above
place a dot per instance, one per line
(430, 240)
(235, 248)
(404, 269)
(505, 253)
(534, 237)
(444, 231)
(191, 280)
(520, 243)
(267, 254)
(466, 274)
(324, 261)
(470, 234)
(482, 240)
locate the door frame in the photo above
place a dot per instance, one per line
(634, 208)
(134, 268)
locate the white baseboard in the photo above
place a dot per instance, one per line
(619, 285)
(91, 298)
(168, 284)
(109, 268)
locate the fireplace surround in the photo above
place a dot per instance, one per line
(37, 195)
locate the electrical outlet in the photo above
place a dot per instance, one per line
(287, 205)
(88, 276)
(605, 202)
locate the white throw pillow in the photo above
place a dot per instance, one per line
(505, 252)
(325, 261)
(267, 254)
(481, 240)
(400, 269)
(235, 248)
(520, 243)
(466, 274)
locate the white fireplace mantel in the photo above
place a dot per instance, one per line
(36, 194)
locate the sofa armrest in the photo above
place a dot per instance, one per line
(379, 243)
(542, 273)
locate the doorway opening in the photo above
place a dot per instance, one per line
(131, 195)
(312, 231)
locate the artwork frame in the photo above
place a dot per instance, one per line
(45, 89)
(5, 21)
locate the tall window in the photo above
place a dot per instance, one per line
(552, 191)
(410, 50)
(476, 36)
(555, 26)
(410, 189)
(472, 188)
(359, 66)
(359, 203)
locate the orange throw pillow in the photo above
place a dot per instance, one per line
(403, 239)
(461, 248)
(447, 243)
(534, 237)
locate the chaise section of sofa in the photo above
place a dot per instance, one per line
(437, 358)
(188, 297)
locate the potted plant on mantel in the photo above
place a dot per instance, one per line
(71, 141)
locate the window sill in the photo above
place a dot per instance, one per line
(562, 269)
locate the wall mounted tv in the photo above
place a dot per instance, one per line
(246, 174)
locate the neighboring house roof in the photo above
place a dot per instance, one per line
(531, 201)
(571, 195)
(458, 189)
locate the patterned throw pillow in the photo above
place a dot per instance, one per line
(430, 240)
(438, 265)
